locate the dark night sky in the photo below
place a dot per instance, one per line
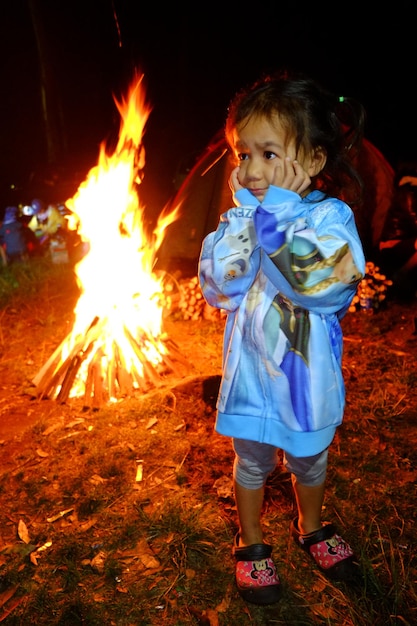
(194, 57)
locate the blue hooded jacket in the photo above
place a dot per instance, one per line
(285, 272)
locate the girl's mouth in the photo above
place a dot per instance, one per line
(257, 192)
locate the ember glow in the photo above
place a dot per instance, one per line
(117, 343)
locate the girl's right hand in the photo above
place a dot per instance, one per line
(234, 183)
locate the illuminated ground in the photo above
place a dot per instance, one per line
(58, 458)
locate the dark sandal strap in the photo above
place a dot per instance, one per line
(255, 552)
(325, 532)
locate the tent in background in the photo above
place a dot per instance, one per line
(204, 195)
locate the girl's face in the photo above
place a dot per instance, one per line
(262, 148)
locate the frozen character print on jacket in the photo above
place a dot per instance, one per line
(307, 270)
(285, 286)
(240, 248)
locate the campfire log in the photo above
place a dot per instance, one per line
(106, 378)
(174, 349)
(71, 372)
(49, 383)
(111, 376)
(50, 376)
(93, 394)
(124, 378)
(98, 380)
(149, 372)
(89, 384)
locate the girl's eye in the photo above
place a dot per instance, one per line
(269, 155)
(242, 156)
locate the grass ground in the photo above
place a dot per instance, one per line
(83, 541)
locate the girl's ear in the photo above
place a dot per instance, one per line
(317, 161)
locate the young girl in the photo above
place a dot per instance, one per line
(284, 264)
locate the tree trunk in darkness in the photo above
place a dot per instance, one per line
(52, 116)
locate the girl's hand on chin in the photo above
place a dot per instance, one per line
(234, 183)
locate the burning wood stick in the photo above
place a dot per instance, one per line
(148, 369)
(49, 368)
(173, 347)
(124, 378)
(98, 381)
(93, 392)
(48, 385)
(111, 376)
(50, 376)
(89, 384)
(71, 373)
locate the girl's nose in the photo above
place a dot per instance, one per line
(253, 170)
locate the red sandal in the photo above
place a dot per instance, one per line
(256, 576)
(332, 555)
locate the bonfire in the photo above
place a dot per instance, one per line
(117, 344)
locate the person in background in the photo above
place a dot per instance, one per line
(12, 237)
(398, 244)
(284, 264)
(47, 220)
(3, 256)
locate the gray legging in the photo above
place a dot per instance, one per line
(255, 461)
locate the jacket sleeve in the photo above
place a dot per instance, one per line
(230, 259)
(313, 252)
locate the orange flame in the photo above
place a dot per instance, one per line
(119, 314)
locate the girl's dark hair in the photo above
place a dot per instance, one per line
(315, 117)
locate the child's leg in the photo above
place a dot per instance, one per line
(249, 506)
(256, 576)
(253, 463)
(309, 503)
(320, 540)
(308, 479)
